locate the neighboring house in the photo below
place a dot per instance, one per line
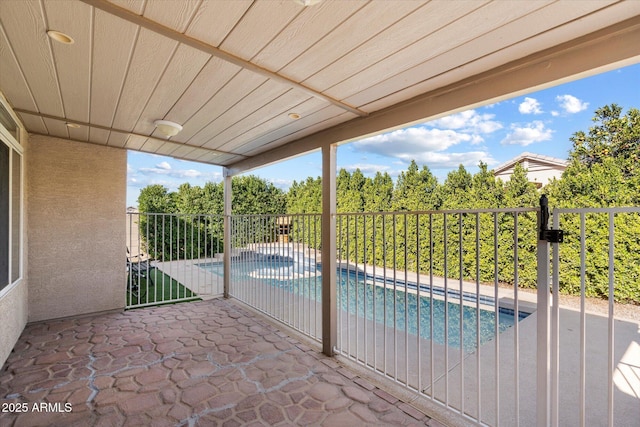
(540, 169)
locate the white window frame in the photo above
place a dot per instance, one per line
(15, 148)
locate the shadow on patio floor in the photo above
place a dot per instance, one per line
(200, 363)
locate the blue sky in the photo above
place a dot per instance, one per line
(540, 122)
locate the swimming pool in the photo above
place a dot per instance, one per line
(384, 301)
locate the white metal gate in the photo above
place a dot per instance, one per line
(593, 351)
(173, 258)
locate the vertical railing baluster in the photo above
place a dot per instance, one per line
(446, 315)
(431, 331)
(418, 303)
(384, 295)
(348, 248)
(555, 330)
(583, 321)
(364, 287)
(395, 298)
(516, 328)
(406, 304)
(497, 315)
(357, 300)
(461, 273)
(171, 243)
(611, 351)
(146, 273)
(375, 291)
(340, 285)
(478, 367)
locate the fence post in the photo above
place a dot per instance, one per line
(227, 233)
(543, 368)
(329, 289)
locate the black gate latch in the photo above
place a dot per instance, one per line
(550, 235)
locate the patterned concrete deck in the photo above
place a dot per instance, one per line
(203, 363)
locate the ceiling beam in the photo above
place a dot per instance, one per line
(603, 50)
(150, 25)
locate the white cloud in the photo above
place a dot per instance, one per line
(530, 106)
(529, 134)
(428, 144)
(183, 174)
(281, 183)
(570, 104)
(411, 140)
(367, 169)
(468, 121)
(164, 165)
(190, 173)
(453, 160)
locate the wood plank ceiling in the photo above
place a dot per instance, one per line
(232, 72)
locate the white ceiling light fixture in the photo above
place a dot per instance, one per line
(306, 3)
(167, 128)
(294, 116)
(60, 37)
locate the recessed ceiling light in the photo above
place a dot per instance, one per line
(72, 125)
(60, 37)
(167, 128)
(294, 116)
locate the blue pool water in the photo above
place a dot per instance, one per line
(360, 296)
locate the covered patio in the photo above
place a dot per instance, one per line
(249, 83)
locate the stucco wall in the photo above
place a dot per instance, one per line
(13, 318)
(76, 194)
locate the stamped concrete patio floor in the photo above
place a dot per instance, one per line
(202, 363)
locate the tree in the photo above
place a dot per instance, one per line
(378, 193)
(254, 195)
(486, 190)
(194, 227)
(415, 189)
(455, 193)
(613, 136)
(155, 199)
(603, 172)
(305, 196)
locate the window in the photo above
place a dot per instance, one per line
(4, 215)
(16, 211)
(10, 201)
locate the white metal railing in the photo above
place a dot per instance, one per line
(172, 258)
(424, 299)
(594, 355)
(275, 268)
